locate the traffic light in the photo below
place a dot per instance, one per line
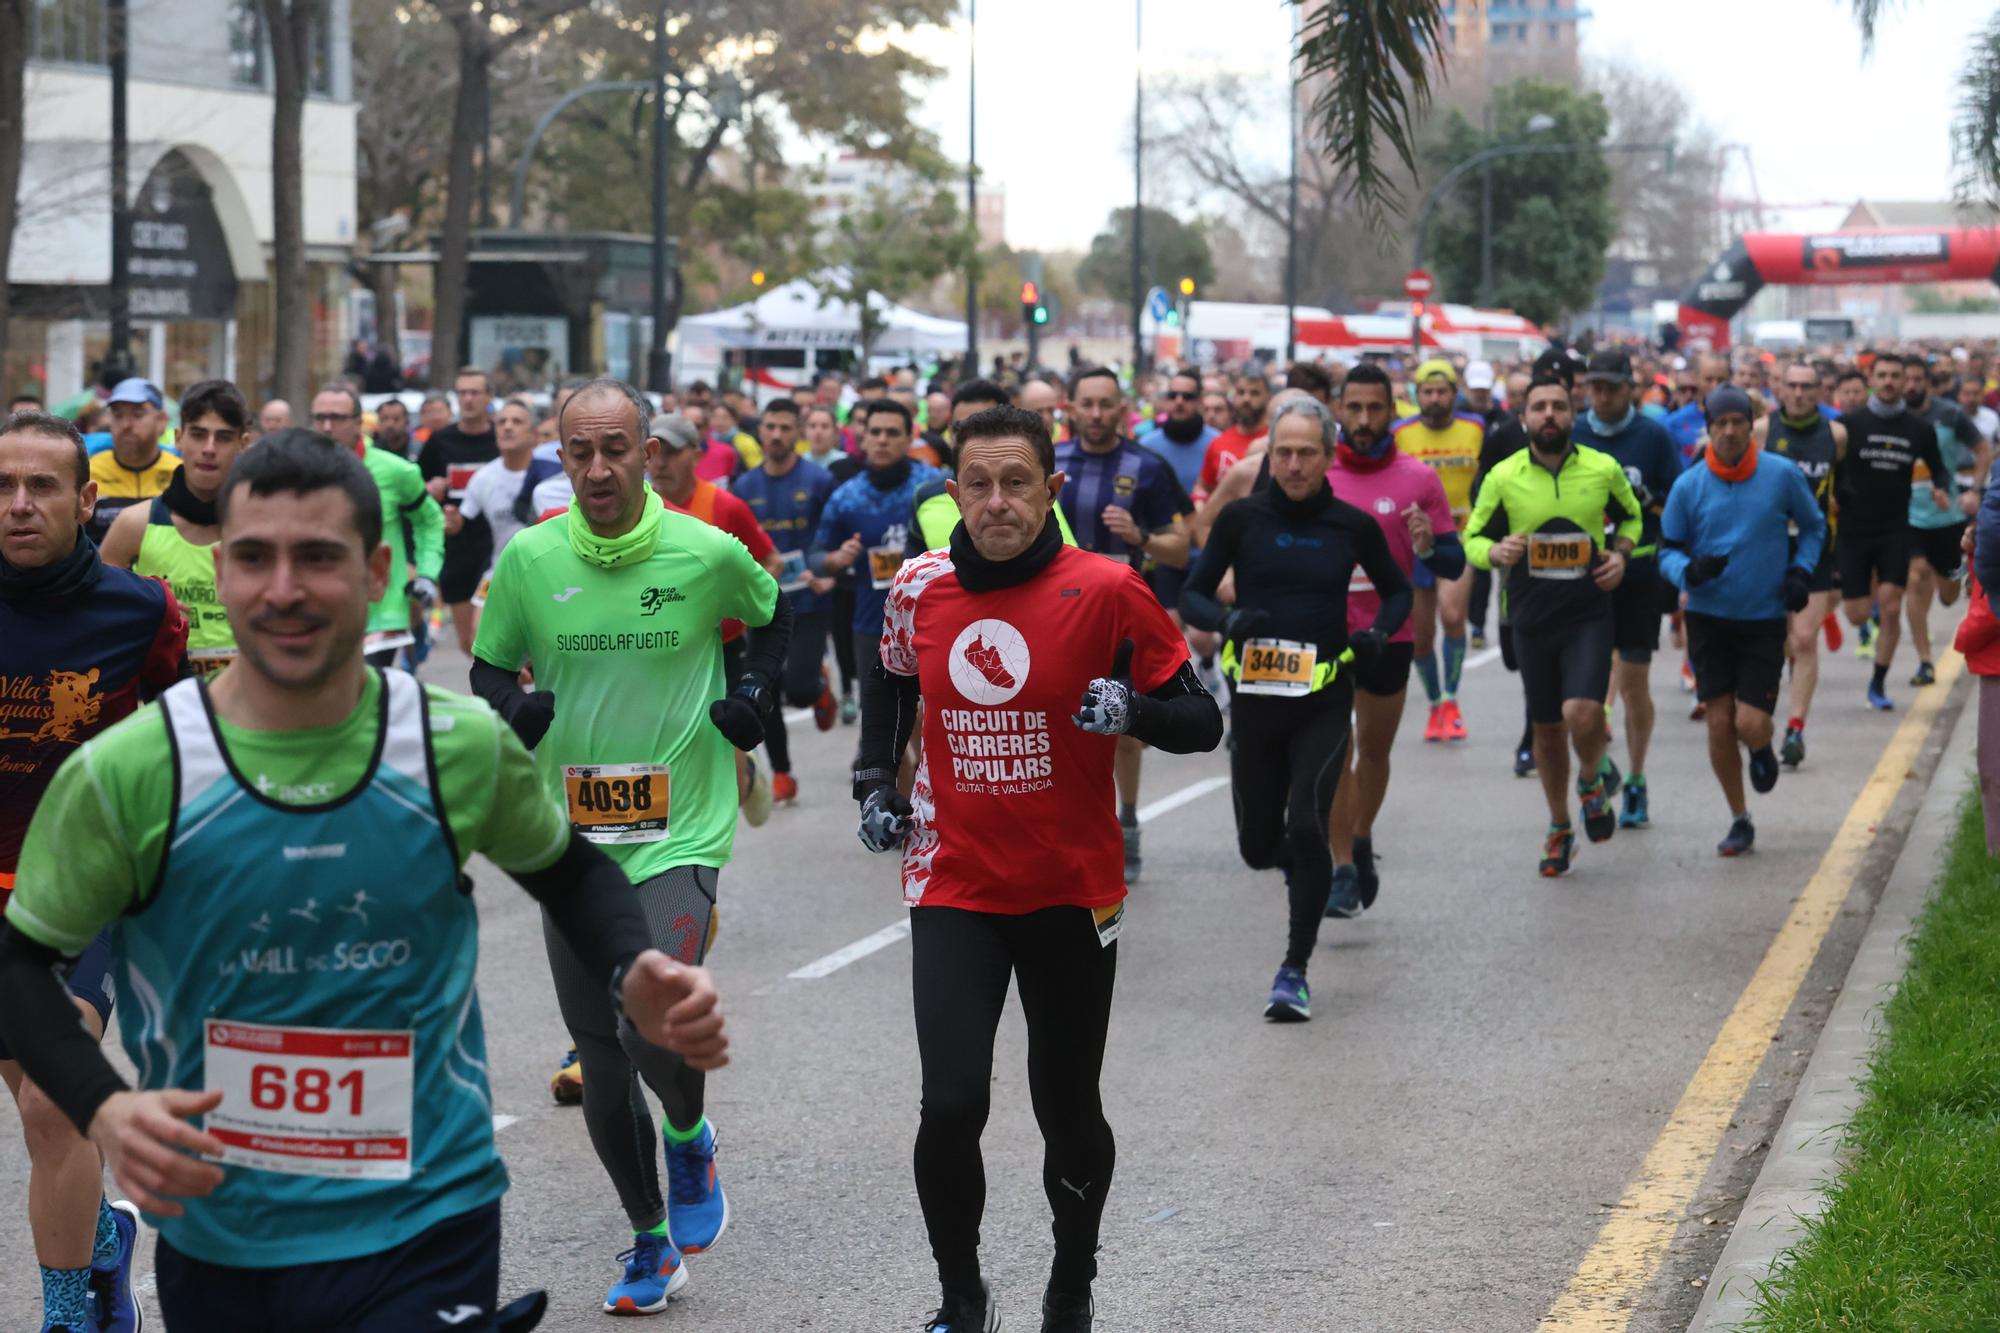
(1187, 286)
(757, 277)
(1041, 315)
(1033, 311)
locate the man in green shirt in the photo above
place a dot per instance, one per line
(618, 606)
(328, 1035)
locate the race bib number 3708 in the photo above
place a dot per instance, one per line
(1559, 555)
(312, 1101)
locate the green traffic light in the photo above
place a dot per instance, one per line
(1041, 314)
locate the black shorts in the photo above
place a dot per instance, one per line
(89, 980)
(1564, 661)
(1826, 574)
(1745, 658)
(1635, 612)
(1883, 555)
(1167, 582)
(427, 1282)
(467, 557)
(1389, 675)
(1940, 548)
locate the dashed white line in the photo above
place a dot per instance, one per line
(501, 1122)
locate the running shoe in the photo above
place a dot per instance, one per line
(566, 1084)
(1477, 643)
(654, 1275)
(1290, 1001)
(1687, 676)
(1635, 814)
(1926, 674)
(1454, 721)
(1793, 752)
(1879, 701)
(848, 712)
(784, 787)
(1344, 902)
(1365, 878)
(1834, 636)
(1132, 860)
(1864, 639)
(1698, 712)
(962, 1314)
(757, 805)
(697, 1209)
(1434, 727)
(1067, 1311)
(1742, 835)
(1210, 675)
(1524, 762)
(111, 1281)
(1599, 820)
(826, 708)
(1608, 770)
(1763, 769)
(1558, 850)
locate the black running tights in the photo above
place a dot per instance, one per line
(1284, 771)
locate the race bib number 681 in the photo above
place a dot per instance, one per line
(312, 1101)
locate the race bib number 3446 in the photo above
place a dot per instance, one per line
(312, 1101)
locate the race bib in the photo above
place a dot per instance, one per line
(457, 477)
(1109, 921)
(208, 661)
(1559, 555)
(479, 593)
(382, 640)
(792, 573)
(883, 562)
(612, 803)
(329, 1102)
(1277, 666)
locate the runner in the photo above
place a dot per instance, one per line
(173, 537)
(1800, 432)
(617, 607)
(448, 459)
(1125, 504)
(1886, 441)
(786, 496)
(1011, 856)
(350, 1101)
(1249, 403)
(414, 527)
(1936, 561)
(1406, 499)
(935, 511)
(824, 446)
(1449, 441)
(1294, 549)
(1727, 543)
(80, 643)
(1641, 445)
(1541, 516)
(136, 467)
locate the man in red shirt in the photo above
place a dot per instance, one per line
(1013, 859)
(1249, 400)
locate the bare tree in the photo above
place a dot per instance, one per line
(1666, 211)
(290, 24)
(13, 132)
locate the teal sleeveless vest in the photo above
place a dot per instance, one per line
(316, 963)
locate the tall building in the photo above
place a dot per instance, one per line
(199, 179)
(1497, 41)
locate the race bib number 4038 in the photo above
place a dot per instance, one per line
(613, 803)
(312, 1101)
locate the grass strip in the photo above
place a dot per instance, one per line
(1910, 1239)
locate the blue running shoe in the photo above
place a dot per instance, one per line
(111, 1281)
(1290, 1001)
(1879, 701)
(1636, 815)
(1344, 902)
(654, 1275)
(697, 1209)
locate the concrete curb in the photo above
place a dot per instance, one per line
(1805, 1154)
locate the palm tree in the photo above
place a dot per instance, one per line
(1377, 58)
(1975, 129)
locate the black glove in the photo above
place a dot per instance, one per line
(531, 715)
(885, 819)
(1242, 622)
(1797, 591)
(740, 716)
(1367, 645)
(1703, 568)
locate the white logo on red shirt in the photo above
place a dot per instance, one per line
(1384, 505)
(989, 662)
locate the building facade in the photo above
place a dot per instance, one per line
(199, 114)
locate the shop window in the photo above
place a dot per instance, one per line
(70, 30)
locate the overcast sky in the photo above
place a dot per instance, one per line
(1782, 76)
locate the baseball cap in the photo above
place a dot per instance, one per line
(673, 430)
(136, 390)
(1479, 375)
(1437, 365)
(1554, 364)
(1613, 365)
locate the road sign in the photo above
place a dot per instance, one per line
(1158, 304)
(1417, 284)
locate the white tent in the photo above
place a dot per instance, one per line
(794, 315)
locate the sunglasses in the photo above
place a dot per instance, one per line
(333, 416)
(1178, 395)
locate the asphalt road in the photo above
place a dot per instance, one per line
(1492, 1055)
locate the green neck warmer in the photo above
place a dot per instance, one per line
(611, 552)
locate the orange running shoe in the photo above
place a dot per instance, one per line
(1434, 728)
(1454, 721)
(826, 708)
(784, 787)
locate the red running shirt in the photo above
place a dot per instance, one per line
(1014, 804)
(719, 509)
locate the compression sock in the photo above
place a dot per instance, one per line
(1796, 724)
(1427, 667)
(105, 1248)
(1128, 814)
(66, 1299)
(1879, 679)
(1454, 665)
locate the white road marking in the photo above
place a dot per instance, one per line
(889, 934)
(501, 1122)
(798, 715)
(1480, 658)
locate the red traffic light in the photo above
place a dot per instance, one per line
(1030, 295)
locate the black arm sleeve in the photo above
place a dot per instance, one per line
(1199, 607)
(1180, 717)
(888, 716)
(44, 1031)
(500, 688)
(1390, 583)
(1927, 449)
(593, 907)
(1447, 557)
(767, 644)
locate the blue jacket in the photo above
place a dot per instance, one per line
(881, 516)
(1986, 541)
(1744, 520)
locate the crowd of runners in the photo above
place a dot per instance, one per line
(1010, 588)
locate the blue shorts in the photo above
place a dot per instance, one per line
(89, 980)
(1421, 576)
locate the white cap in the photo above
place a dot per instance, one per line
(1680, 363)
(1479, 375)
